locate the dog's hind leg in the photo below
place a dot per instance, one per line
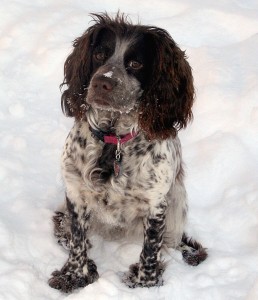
(62, 228)
(193, 252)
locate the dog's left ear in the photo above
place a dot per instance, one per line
(167, 100)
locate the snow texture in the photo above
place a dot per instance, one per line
(220, 148)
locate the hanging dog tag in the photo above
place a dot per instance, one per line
(117, 168)
(117, 162)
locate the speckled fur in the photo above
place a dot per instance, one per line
(147, 199)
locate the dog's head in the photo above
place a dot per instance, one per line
(118, 66)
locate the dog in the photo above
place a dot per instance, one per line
(130, 90)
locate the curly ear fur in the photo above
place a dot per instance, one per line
(76, 76)
(77, 72)
(167, 100)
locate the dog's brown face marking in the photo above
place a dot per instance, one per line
(120, 70)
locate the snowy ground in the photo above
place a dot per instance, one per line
(220, 148)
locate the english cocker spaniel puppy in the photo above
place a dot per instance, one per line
(130, 89)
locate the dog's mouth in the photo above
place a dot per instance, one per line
(102, 103)
(98, 101)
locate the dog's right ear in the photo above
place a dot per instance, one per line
(77, 72)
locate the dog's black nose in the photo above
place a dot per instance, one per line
(103, 84)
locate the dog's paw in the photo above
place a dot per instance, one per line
(66, 282)
(140, 277)
(70, 278)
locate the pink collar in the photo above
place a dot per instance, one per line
(110, 138)
(114, 139)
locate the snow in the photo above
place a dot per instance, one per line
(108, 74)
(220, 148)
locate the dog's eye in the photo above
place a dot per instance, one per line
(99, 56)
(133, 64)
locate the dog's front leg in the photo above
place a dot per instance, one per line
(148, 272)
(79, 270)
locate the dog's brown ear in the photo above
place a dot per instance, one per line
(77, 71)
(167, 101)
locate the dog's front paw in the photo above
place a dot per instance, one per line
(138, 276)
(71, 277)
(67, 282)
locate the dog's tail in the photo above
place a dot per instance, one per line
(193, 252)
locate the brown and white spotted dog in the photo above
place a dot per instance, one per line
(130, 89)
